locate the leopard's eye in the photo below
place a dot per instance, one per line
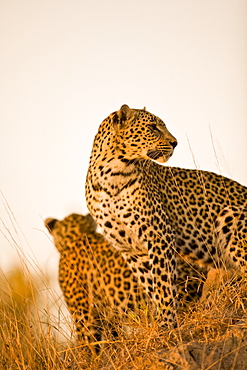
(154, 129)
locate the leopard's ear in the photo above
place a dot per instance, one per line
(123, 117)
(91, 224)
(50, 224)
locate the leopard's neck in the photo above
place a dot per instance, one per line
(113, 175)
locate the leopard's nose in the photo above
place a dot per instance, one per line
(174, 143)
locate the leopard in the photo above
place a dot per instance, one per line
(154, 213)
(98, 285)
(96, 282)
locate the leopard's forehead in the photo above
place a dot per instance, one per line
(142, 117)
(73, 219)
(76, 223)
(147, 115)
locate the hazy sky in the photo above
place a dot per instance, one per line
(66, 65)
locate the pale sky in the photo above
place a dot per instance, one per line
(66, 65)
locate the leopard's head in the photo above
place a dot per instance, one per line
(138, 134)
(69, 229)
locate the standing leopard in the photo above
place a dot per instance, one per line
(154, 213)
(95, 279)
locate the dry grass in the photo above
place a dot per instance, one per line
(212, 335)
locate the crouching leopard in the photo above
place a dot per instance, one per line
(96, 281)
(154, 213)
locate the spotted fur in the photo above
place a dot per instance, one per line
(97, 283)
(154, 213)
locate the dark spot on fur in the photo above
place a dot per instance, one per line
(108, 224)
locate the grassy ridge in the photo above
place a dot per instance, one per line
(212, 335)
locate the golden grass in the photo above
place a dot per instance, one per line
(211, 335)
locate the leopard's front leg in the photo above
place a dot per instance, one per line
(156, 272)
(162, 257)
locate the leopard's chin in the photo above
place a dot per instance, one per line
(159, 156)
